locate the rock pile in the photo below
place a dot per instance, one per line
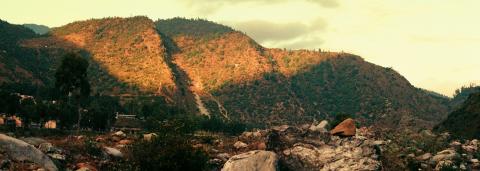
(308, 148)
(458, 156)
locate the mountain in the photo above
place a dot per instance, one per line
(463, 122)
(210, 69)
(39, 29)
(20, 64)
(462, 94)
(237, 78)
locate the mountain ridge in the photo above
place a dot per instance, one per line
(225, 73)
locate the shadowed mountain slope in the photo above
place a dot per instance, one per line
(211, 69)
(238, 78)
(464, 122)
(19, 64)
(39, 29)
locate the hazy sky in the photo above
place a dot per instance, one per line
(435, 44)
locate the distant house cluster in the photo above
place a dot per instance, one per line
(125, 122)
(14, 121)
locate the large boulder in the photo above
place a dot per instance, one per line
(22, 151)
(345, 128)
(257, 160)
(34, 141)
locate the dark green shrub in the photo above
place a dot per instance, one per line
(92, 148)
(169, 151)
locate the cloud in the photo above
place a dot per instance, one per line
(262, 30)
(295, 35)
(326, 3)
(207, 7)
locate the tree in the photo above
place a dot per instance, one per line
(28, 111)
(9, 103)
(101, 112)
(72, 82)
(71, 77)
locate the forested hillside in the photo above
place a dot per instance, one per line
(206, 68)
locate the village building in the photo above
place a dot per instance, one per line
(125, 122)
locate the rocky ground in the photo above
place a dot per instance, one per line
(303, 147)
(81, 153)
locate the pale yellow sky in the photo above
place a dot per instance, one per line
(433, 43)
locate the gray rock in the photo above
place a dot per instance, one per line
(113, 152)
(120, 134)
(20, 151)
(424, 157)
(321, 127)
(46, 147)
(57, 156)
(239, 145)
(34, 141)
(223, 156)
(281, 128)
(444, 155)
(257, 160)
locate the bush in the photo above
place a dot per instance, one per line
(92, 148)
(169, 151)
(217, 124)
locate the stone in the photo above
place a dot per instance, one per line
(281, 128)
(424, 157)
(442, 164)
(474, 160)
(120, 134)
(257, 160)
(149, 137)
(99, 139)
(20, 151)
(463, 167)
(85, 167)
(336, 155)
(223, 156)
(424, 166)
(34, 141)
(125, 142)
(57, 156)
(239, 145)
(427, 133)
(444, 155)
(113, 152)
(247, 135)
(321, 127)
(455, 144)
(46, 147)
(261, 146)
(257, 134)
(346, 128)
(378, 142)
